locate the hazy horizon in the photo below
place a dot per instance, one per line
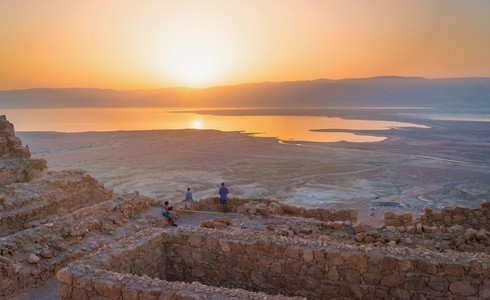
(462, 93)
(124, 45)
(244, 83)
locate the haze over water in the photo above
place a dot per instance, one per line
(285, 128)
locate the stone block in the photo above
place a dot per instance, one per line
(64, 291)
(79, 294)
(405, 266)
(484, 292)
(337, 225)
(350, 276)
(390, 281)
(276, 268)
(393, 222)
(198, 271)
(414, 284)
(107, 289)
(224, 246)
(360, 237)
(438, 283)
(307, 256)
(389, 264)
(319, 256)
(475, 268)
(372, 278)
(388, 214)
(462, 288)
(333, 274)
(357, 262)
(236, 247)
(356, 292)
(454, 270)
(129, 294)
(481, 235)
(335, 259)
(33, 258)
(293, 253)
(400, 294)
(195, 240)
(427, 267)
(292, 267)
(369, 239)
(64, 276)
(381, 293)
(357, 228)
(407, 217)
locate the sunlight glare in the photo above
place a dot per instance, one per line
(198, 54)
(197, 124)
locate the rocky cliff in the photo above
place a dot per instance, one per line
(16, 164)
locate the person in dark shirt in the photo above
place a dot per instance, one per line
(223, 196)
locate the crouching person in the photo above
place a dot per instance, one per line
(166, 213)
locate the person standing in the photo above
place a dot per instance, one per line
(188, 195)
(223, 196)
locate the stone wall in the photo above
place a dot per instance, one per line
(32, 256)
(267, 207)
(454, 215)
(25, 205)
(272, 266)
(135, 268)
(275, 265)
(447, 217)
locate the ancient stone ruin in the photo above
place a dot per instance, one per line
(16, 164)
(100, 245)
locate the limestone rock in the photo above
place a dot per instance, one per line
(360, 236)
(369, 239)
(470, 234)
(33, 258)
(46, 254)
(358, 228)
(481, 235)
(462, 288)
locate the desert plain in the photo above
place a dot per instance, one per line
(446, 164)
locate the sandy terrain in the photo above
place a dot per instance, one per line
(446, 164)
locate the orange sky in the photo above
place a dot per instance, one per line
(150, 44)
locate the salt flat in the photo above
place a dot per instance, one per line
(444, 165)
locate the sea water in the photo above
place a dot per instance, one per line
(283, 127)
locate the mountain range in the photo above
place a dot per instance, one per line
(388, 91)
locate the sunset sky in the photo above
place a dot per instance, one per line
(151, 44)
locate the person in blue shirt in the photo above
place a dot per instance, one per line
(223, 196)
(166, 213)
(188, 195)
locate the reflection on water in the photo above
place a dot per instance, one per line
(285, 128)
(473, 117)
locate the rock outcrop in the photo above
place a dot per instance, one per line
(48, 219)
(16, 164)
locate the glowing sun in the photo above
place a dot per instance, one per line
(197, 124)
(196, 54)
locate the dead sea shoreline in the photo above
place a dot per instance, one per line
(412, 168)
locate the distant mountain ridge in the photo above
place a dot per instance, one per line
(375, 91)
